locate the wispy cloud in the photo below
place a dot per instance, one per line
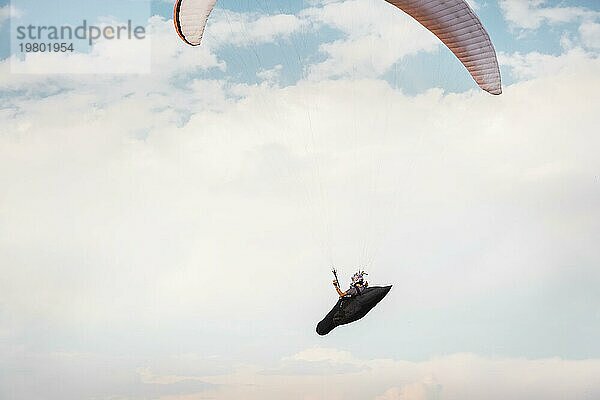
(531, 14)
(376, 36)
(452, 377)
(590, 34)
(250, 29)
(7, 12)
(534, 65)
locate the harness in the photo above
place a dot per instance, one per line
(359, 290)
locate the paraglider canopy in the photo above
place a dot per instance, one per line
(452, 21)
(189, 17)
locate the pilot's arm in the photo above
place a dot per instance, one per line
(336, 284)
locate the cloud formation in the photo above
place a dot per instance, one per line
(147, 229)
(376, 35)
(452, 377)
(531, 14)
(7, 12)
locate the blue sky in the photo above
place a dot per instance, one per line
(168, 234)
(507, 38)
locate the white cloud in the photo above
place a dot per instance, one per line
(376, 35)
(249, 29)
(534, 65)
(153, 54)
(590, 35)
(271, 75)
(7, 12)
(453, 377)
(324, 354)
(119, 158)
(62, 375)
(426, 390)
(531, 14)
(166, 212)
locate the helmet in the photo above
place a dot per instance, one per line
(358, 278)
